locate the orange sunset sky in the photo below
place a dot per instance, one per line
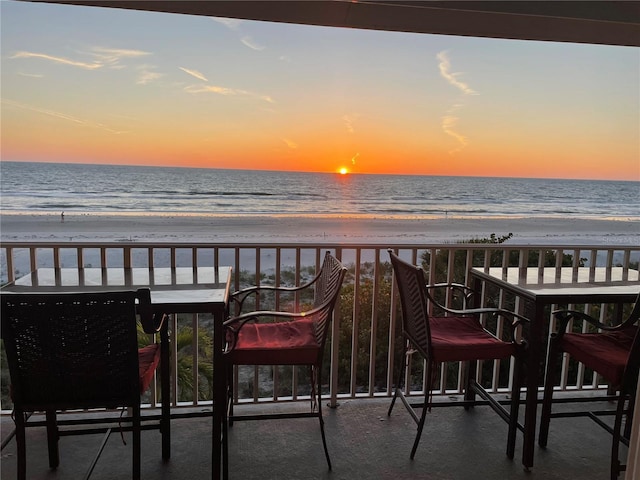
(94, 85)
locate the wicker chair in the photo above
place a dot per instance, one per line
(456, 337)
(286, 338)
(76, 351)
(614, 353)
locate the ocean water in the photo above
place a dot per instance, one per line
(78, 188)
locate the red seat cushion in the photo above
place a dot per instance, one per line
(456, 339)
(606, 353)
(281, 343)
(148, 359)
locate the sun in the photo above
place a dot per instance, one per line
(343, 170)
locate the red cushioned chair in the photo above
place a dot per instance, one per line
(458, 336)
(286, 338)
(77, 351)
(611, 351)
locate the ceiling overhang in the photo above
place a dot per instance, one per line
(608, 22)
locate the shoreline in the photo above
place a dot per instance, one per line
(273, 229)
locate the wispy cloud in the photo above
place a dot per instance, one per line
(353, 159)
(450, 120)
(60, 60)
(226, 91)
(146, 74)
(292, 145)
(194, 73)
(100, 58)
(31, 75)
(445, 67)
(62, 116)
(230, 23)
(113, 56)
(349, 120)
(234, 24)
(248, 41)
(448, 124)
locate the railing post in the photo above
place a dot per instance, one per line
(335, 350)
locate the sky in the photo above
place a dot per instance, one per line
(96, 85)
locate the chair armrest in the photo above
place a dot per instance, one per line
(565, 315)
(515, 320)
(240, 296)
(466, 291)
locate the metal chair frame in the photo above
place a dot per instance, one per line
(415, 295)
(326, 286)
(625, 398)
(60, 337)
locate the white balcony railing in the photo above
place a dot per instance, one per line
(362, 352)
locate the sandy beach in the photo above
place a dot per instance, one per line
(310, 229)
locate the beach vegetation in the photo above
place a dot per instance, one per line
(184, 363)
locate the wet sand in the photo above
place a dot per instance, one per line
(309, 229)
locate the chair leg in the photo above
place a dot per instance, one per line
(225, 449)
(52, 439)
(21, 444)
(230, 387)
(399, 383)
(616, 465)
(319, 395)
(547, 399)
(469, 392)
(136, 441)
(324, 439)
(425, 407)
(515, 407)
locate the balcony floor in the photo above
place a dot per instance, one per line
(363, 442)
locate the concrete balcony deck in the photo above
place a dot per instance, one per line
(363, 442)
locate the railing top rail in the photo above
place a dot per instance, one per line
(325, 245)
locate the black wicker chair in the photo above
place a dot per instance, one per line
(286, 338)
(612, 352)
(77, 351)
(457, 336)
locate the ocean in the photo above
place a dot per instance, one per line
(116, 189)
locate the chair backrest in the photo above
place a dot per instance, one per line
(327, 288)
(413, 300)
(632, 369)
(75, 350)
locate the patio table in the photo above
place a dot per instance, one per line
(173, 290)
(539, 287)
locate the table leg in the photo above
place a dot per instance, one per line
(219, 399)
(165, 390)
(532, 371)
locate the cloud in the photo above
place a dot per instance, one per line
(147, 76)
(113, 56)
(103, 57)
(31, 75)
(62, 116)
(194, 73)
(234, 24)
(292, 145)
(449, 121)
(248, 41)
(226, 91)
(230, 23)
(349, 120)
(448, 124)
(61, 60)
(445, 66)
(353, 160)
